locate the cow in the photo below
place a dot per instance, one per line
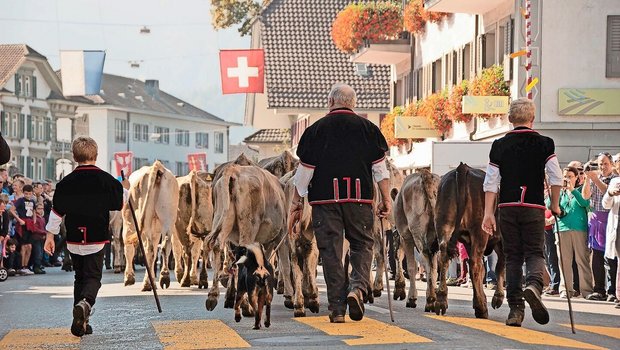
(154, 193)
(255, 279)
(300, 253)
(193, 224)
(116, 228)
(242, 159)
(248, 208)
(279, 165)
(413, 213)
(396, 182)
(458, 217)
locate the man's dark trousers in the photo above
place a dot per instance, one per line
(88, 271)
(355, 220)
(551, 253)
(523, 234)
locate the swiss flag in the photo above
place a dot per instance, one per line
(243, 71)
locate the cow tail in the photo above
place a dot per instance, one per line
(192, 190)
(224, 219)
(152, 191)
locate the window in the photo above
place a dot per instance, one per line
(120, 130)
(39, 174)
(164, 135)
(202, 140)
(466, 59)
(436, 77)
(14, 124)
(219, 142)
(182, 168)
(40, 129)
(140, 162)
(26, 85)
(613, 47)
(182, 137)
(141, 132)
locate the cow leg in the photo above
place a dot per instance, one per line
(231, 289)
(268, 310)
(247, 309)
(311, 290)
(204, 274)
(441, 305)
(284, 265)
(500, 272)
(477, 271)
(187, 258)
(195, 256)
(119, 256)
(150, 261)
(257, 304)
(431, 281)
(380, 261)
(130, 276)
(408, 247)
(177, 252)
(164, 276)
(298, 278)
(214, 292)
(238, 299)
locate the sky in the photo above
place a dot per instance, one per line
(181, 50)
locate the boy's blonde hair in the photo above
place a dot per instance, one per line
(522, 111)
(84, 149)
(4, 198)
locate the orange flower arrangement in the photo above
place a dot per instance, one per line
(454, 104)
(387, 126)
(489, 83)
(366, 21)
(433, 108)
(416, 16)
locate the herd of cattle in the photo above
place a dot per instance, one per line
(235, 219)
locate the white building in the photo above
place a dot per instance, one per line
(131, 115)
(30, 103)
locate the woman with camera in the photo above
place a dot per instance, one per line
(573, 226)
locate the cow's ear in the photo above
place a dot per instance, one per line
(242, 260)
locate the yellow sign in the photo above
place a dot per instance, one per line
(589, 102)
(413, 128)
(486, 104)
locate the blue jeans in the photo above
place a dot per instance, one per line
(551, 258)
(490, 262)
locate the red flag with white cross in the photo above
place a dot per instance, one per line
(243, 71)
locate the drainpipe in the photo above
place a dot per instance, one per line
(128, 130)
(474, 47)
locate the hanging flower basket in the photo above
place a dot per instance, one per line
(416, 16)
(454, 103)
(489, 83)
(357, 22)
(433, 108)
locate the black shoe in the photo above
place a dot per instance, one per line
(39, 271)
(539, 311)
(89, 329)
(596, 297)
(611, 298)
(336, 317)
(515, 316)
(355, 300)
(81, 311)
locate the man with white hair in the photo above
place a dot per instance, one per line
(341, 154)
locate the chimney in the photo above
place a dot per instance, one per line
(152, 87)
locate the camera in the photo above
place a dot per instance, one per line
(591, 167)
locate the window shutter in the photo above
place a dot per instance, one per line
(508, 29)
(29, 121)
(3, 124)
(30, 167)
(17, 85)
(21, 125)
(34, 87)
(48, 130)
(22, 161)
(49, 164)
(613, 47)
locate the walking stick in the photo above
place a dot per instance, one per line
(557, 232)
(148, 271)
(387, 279)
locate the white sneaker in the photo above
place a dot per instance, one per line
(26, 272)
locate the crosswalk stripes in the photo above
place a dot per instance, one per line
(182, 334)
(613, 332)
(520, 334)
(367, 331)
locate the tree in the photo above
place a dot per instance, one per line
(227, 13)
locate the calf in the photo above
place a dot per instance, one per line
(255, 278)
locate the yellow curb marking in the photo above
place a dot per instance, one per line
(369, 331)
(613, 332)
(197, 334)
(519, 334)
(52, 338)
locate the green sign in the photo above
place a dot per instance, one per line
(589, 102)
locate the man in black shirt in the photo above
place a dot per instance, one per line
(340, 156)
(518, 162)
(84, 198)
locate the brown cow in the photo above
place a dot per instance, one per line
(414, 217)
(249, 208)
(193, 224)
(458, 217)
(279, 165)
(242, 159)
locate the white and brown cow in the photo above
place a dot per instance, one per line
(154, 193)
(249, 208)
(193, 224)
(279, 165)
(116, 231)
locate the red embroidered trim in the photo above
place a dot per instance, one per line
(86, 167)
(520, 131)
(358, 189)
(89, 243)
(57, 213)
(493, 164)
(527, 205)
(550, 157)
(379, 160)
(336, 190)
(341, 111)
(348, 180)
(307, 165)
(332, 201)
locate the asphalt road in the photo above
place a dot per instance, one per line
(35, 313)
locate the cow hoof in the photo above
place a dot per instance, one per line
(370, 299)
(482, 314)
(299, 313)
(376, 293)
(313, 306)
(117, 269)
(280, 289)
(130, 281)
(194, 282)
(288, 302)
(440, 308)
(179, 276)
(256, 327)
(399, 294)
(147, 288)
(229, 303)
(497, 301)
(164, 281)
(203, 284)
(238, 318)
(411, 303)
(267, 324)
(211, 303)
(430, 304)
(185, 282)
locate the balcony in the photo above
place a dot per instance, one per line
(392, 51)
(57, 147)
(462, 6)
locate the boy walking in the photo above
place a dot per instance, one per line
(84, 198)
